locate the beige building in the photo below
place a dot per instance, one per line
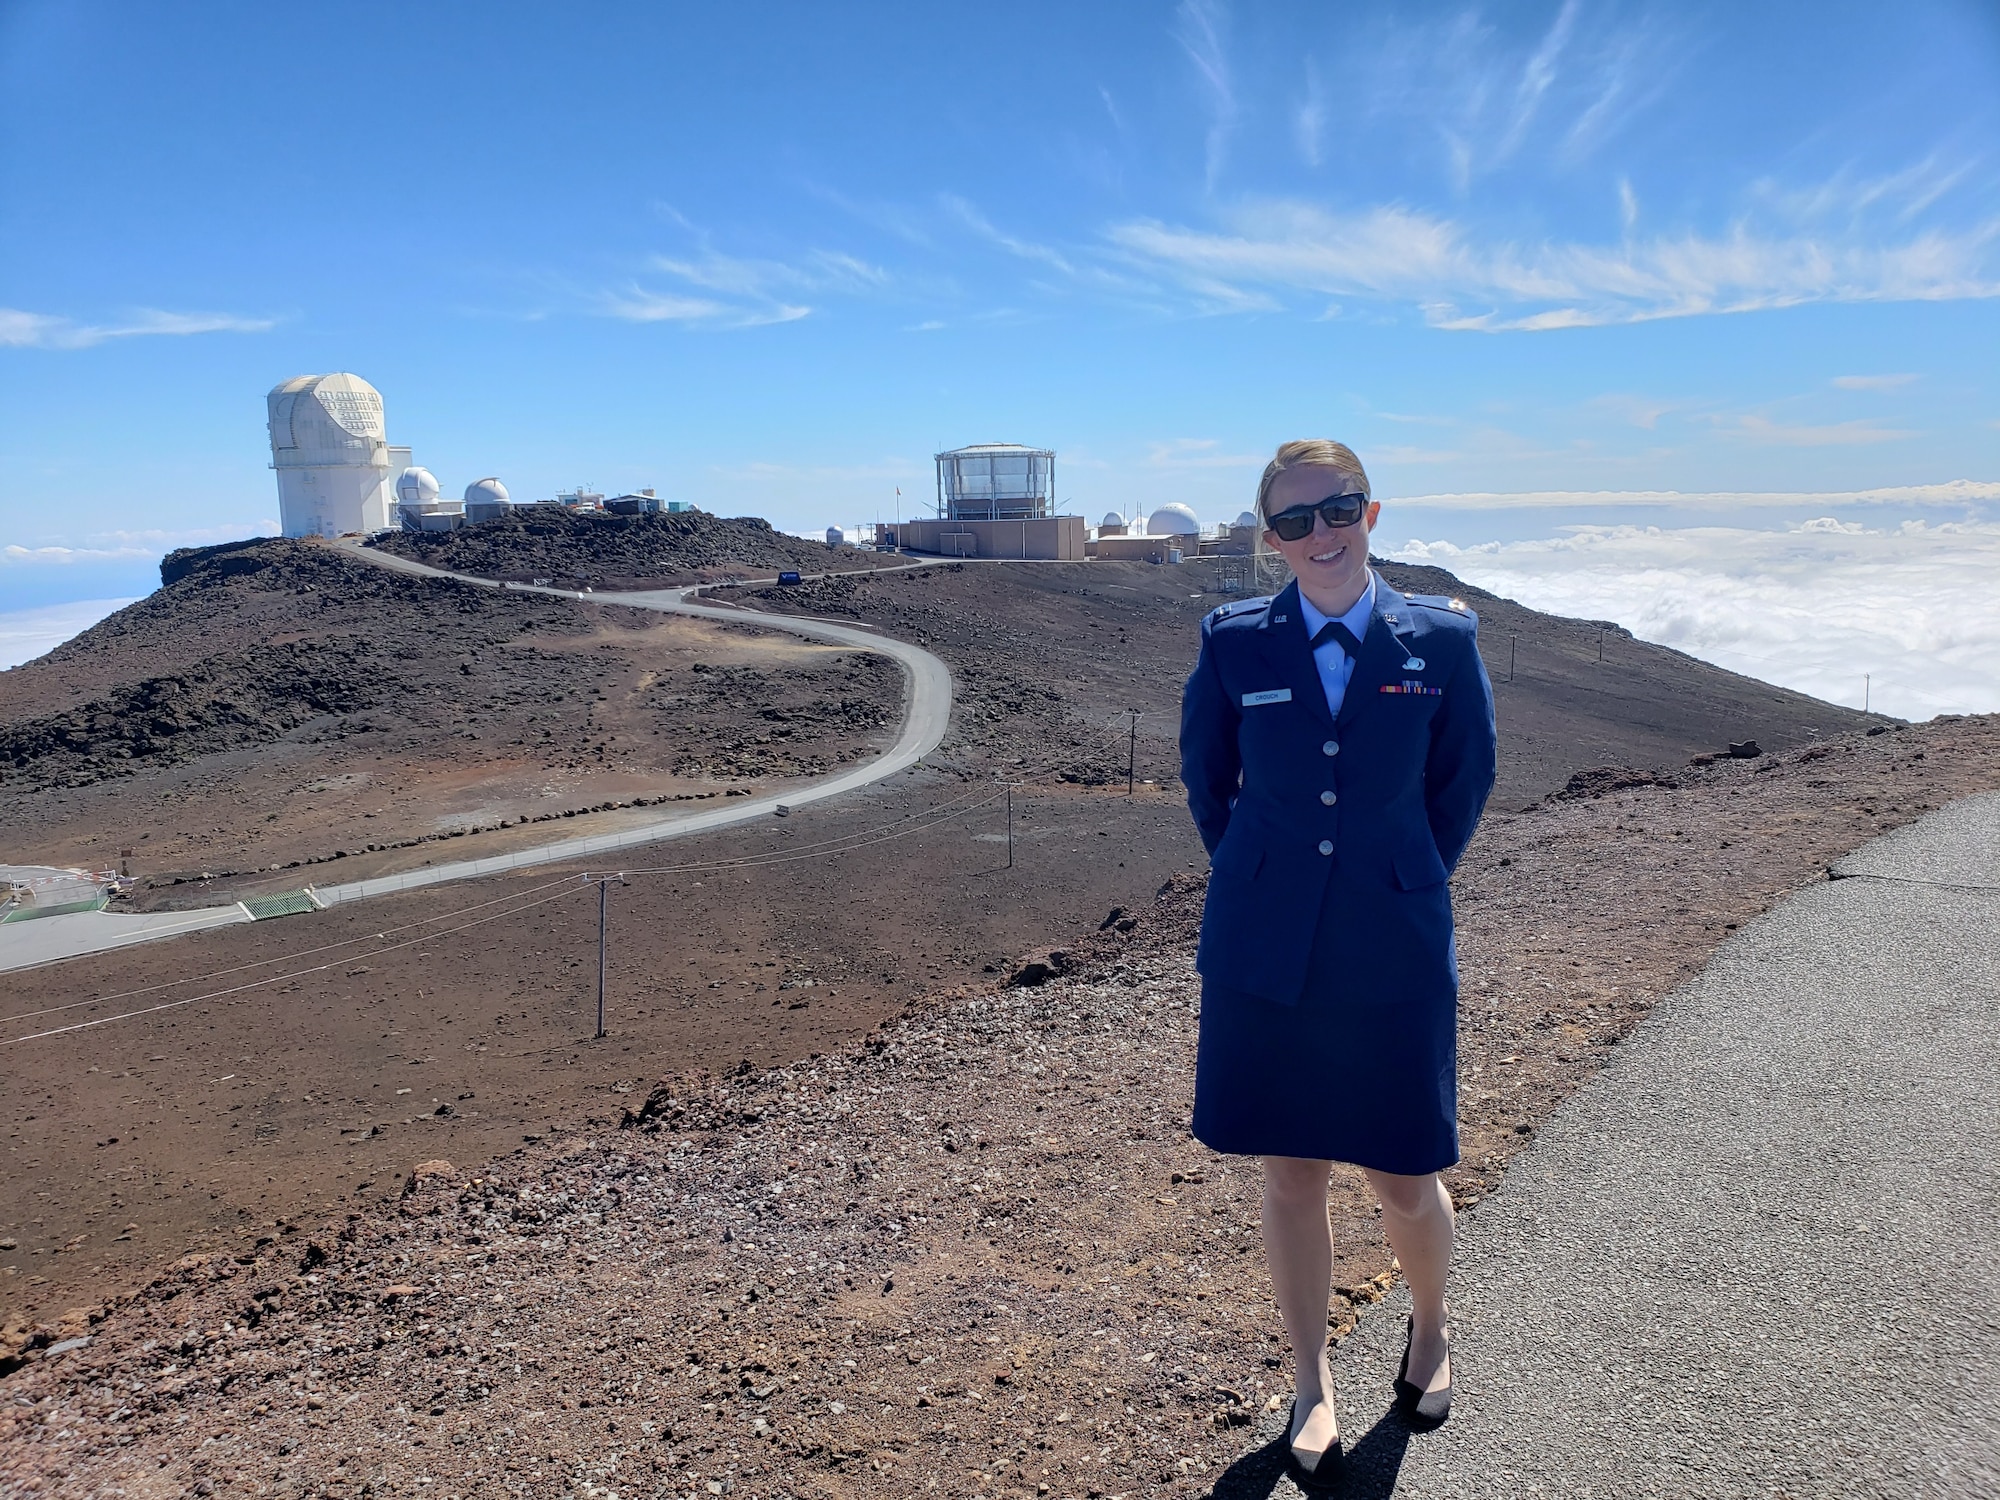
(1151, 549)
(1047, 538)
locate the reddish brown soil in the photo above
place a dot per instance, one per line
(224, 1121)
(282, 713)
(286, 1100)
(975, 1253)
(1043, 656)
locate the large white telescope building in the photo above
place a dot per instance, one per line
(336, 471)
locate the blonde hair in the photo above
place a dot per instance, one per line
(1306, 451)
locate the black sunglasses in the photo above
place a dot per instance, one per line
(1335, 510)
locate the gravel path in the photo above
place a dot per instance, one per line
(1757, 1255)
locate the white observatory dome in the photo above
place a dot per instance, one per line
(1173, 520)
(417, 486)
(1249, 519)
(331, 453)
(835, 536)
(485, 492)
(314, 417)
(1112, 518)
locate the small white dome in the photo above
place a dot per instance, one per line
(1112, 518)
(1173, 520)
(486, 492)
(417, 486)
(1249, 519)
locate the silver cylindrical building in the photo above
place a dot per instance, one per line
(996, 482)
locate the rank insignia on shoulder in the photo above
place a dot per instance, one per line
(1439, 601)
(1237, 607)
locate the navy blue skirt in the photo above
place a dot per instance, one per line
(1363, 1072)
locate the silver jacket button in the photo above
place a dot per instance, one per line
(1331, 747)
(1328, 798)
(1326, 846)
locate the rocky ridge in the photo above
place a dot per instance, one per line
(606, 550)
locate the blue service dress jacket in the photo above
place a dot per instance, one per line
(1330, 983)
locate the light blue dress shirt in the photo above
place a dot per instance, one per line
(1335, 665)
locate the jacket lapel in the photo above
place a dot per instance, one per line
(1289, 652)
(1382, 654)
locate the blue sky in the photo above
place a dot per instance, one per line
(1694, 267)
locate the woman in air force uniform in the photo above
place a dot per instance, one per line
(1337, 742)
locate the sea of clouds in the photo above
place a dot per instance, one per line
(1913, 608)
(26, 633)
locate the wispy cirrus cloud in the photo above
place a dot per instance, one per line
(29, 330)
(1871, 382)
(1085, 270)
(1200, 27)
(1463, 281)
(1199, 453)
(1637, 411)
(710, 288)
(1309, 117)
(1024, 249)
(1487, 90)
(640, 304)
(1850, 196)
(1537, 75)
(1757, 428)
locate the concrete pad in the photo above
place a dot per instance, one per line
(23, 945)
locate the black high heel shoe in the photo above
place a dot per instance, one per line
(1430, 1408)
(1315, 1468)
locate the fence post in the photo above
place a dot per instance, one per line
(603, 902)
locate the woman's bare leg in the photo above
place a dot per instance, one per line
(1299, 1246)
(1417, 1216)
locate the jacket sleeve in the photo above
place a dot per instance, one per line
(1211, 766)
(1458, 777)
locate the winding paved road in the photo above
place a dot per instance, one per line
(927, 715)
(1759, 1254)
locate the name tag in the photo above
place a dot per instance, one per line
(1275, 695)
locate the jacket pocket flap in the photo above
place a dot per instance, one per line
(1238, 858)
(1418, 869)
